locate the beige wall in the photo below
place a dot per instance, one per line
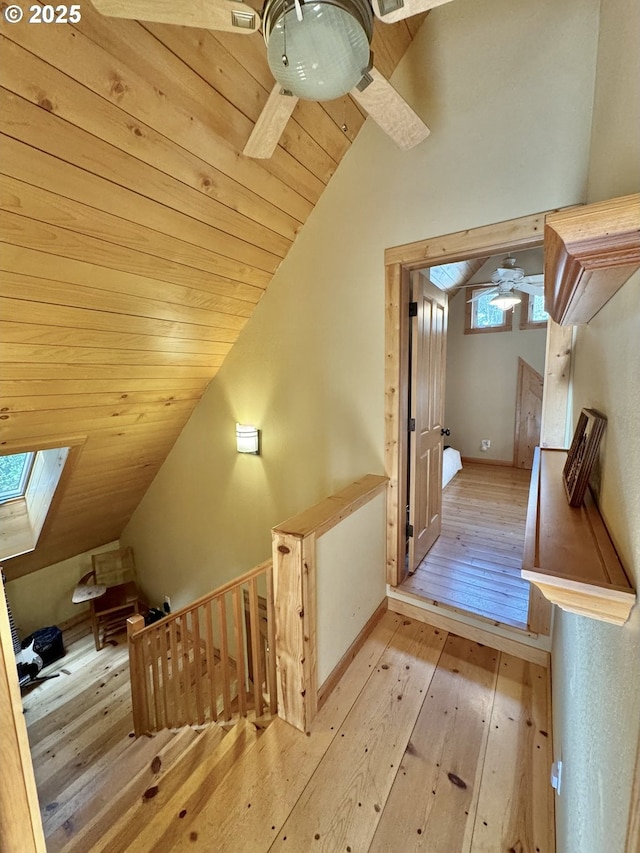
(308, 368)
(482, 374)
(44, 597)
(351, 564)
(615, 160)
(596, 667)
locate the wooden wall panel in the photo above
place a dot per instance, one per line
(137, 241)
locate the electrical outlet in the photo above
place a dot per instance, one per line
(556, 776)
(485, 444)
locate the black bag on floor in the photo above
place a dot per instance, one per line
(48, 643)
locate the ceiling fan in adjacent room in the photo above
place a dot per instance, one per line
(505, 281)
(317, 50)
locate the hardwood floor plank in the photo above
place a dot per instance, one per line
(433, 800)
(341, 805)
(459, 596)
(475, 563)
(515, 809)
(476, 556)
(192, 767)
(274, 774)
(185, 792)
(481, 721)
(85, 803)
(512, 583)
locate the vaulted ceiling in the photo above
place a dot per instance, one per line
(137, 241)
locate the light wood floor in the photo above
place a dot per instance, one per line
(475, 564)
(77, 720)
(430, 742)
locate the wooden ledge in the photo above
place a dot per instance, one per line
(590, 252)
(568, 553)
(326, 514)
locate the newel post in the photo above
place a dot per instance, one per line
(136, 674)
(293, 612)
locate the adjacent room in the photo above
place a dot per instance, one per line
(493, 410)
(244, 613)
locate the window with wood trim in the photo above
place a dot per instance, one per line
(482, 317)
(14, 475)
(532, 313)
(28, 481)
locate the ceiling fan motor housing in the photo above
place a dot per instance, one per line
(324, 55)
(508, 273)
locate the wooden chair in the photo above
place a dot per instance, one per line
(114, 572)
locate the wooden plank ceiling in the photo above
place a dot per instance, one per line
(137, 241)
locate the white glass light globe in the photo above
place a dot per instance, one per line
(327, 52)
(504, 301)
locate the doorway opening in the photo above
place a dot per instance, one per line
(474, 382)
(471, 248)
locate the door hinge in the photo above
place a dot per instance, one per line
(409, 531)
(412, 424)
(413, 309)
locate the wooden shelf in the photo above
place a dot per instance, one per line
(568, 553)
(590, 252)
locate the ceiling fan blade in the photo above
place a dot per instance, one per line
(389, 110)
(533, 289)
(390, 11)
(534, 279)
(488, 292)
(271, 124)
(226, 15)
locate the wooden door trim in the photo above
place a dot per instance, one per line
(20, 822)
(512, 235)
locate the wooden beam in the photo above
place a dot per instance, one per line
(526, 232)
(398, 296)
(555, 392)
(291, 661)
(20, 823)
(323, 516)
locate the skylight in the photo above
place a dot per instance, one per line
(14, 475)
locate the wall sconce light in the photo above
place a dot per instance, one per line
(247, 439)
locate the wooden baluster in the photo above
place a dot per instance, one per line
(211, 663)
(177, 717)
(271, 650)
(238, 621)
(256, 646)
(146, 678)
(224, 655)
(187, 674)
(154, 659)
(197, 664)
(138, 698)
(164, 665)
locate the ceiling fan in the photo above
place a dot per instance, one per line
(316, 49)
(507, 279)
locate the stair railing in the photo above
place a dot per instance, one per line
(213, 660)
